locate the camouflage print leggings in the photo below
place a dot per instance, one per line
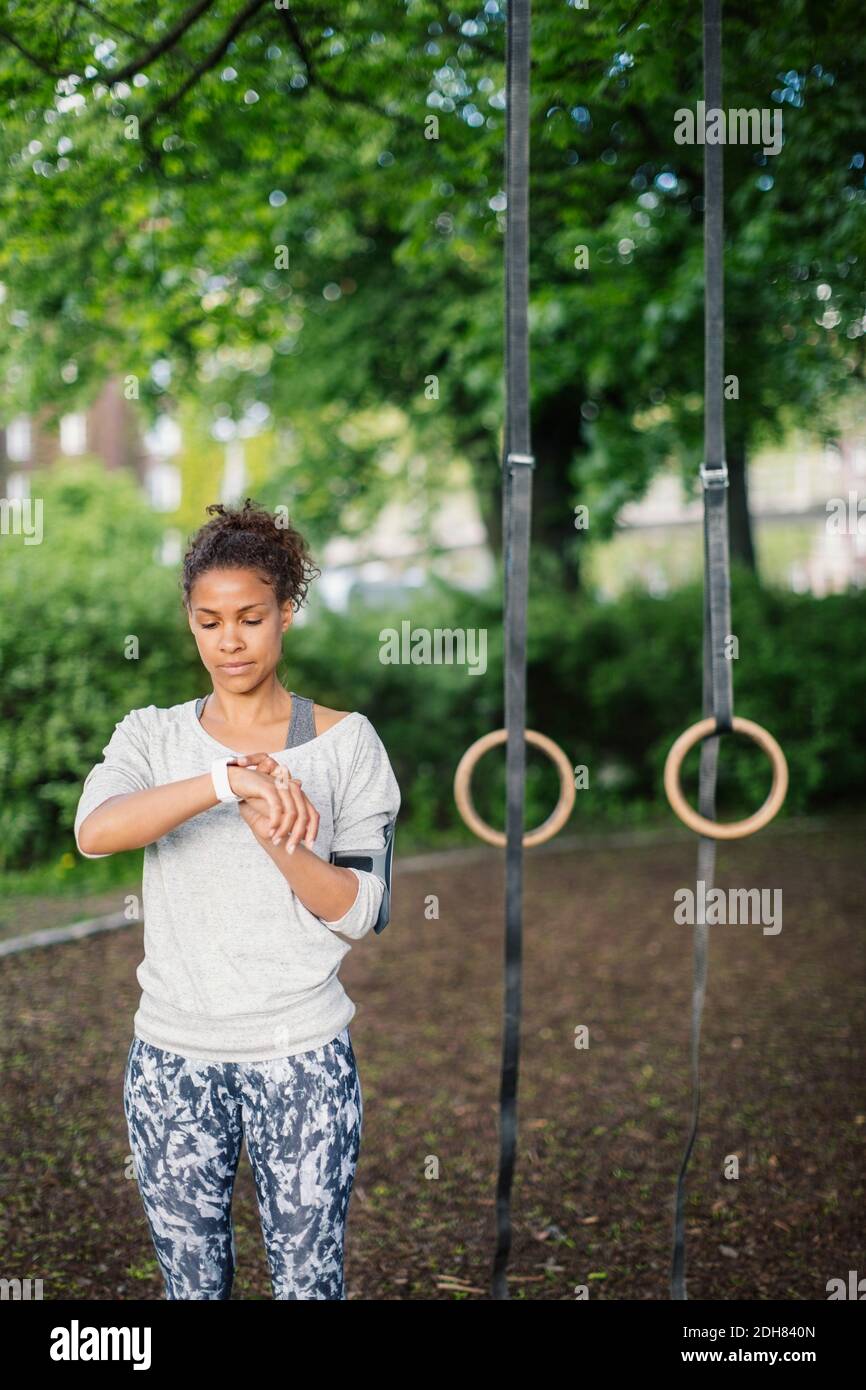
(301, 1117)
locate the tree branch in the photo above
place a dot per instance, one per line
(294, 32)
(207, 63)
(170, 40)
(104, 19)
(156, 50)
(33, 58)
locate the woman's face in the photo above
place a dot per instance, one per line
(238, 626)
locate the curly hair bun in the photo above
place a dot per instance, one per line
(249, 537)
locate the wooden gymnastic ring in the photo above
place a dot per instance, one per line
(718, 830)
(463, 796)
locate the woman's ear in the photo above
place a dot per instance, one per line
(288, 614)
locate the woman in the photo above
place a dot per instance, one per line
(242, 1029)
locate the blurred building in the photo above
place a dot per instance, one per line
(108, 430)
(111, 431)
(797, 496)
(808, 509)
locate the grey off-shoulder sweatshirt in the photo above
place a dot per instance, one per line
(236, 968)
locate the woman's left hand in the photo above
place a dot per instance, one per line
(302, 818)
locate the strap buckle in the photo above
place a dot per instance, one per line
(714, 477)
(528, 460)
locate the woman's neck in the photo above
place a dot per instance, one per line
(266, 704)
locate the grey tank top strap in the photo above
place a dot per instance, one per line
(302, 725)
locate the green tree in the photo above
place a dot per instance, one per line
(248, 193)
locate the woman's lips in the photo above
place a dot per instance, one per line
(235, 667)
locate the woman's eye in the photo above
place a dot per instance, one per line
(251, 622)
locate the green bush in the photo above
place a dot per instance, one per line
(68, 667)
(613, 684)
(630, 676)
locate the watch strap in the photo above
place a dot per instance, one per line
(220, 777)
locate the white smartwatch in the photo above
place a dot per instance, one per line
(220, 778)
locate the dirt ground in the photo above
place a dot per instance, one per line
(21, 916)
(601, 1129)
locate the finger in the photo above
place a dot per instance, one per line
(302, 816)
(313, 818)
(262, 762)
(301, 819)
(313, 830)
(287, 813)
(281, 780)
(276, 807)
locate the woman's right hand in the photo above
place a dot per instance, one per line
(267, 794)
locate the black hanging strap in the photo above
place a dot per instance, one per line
(718, 698)
(516, 513)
